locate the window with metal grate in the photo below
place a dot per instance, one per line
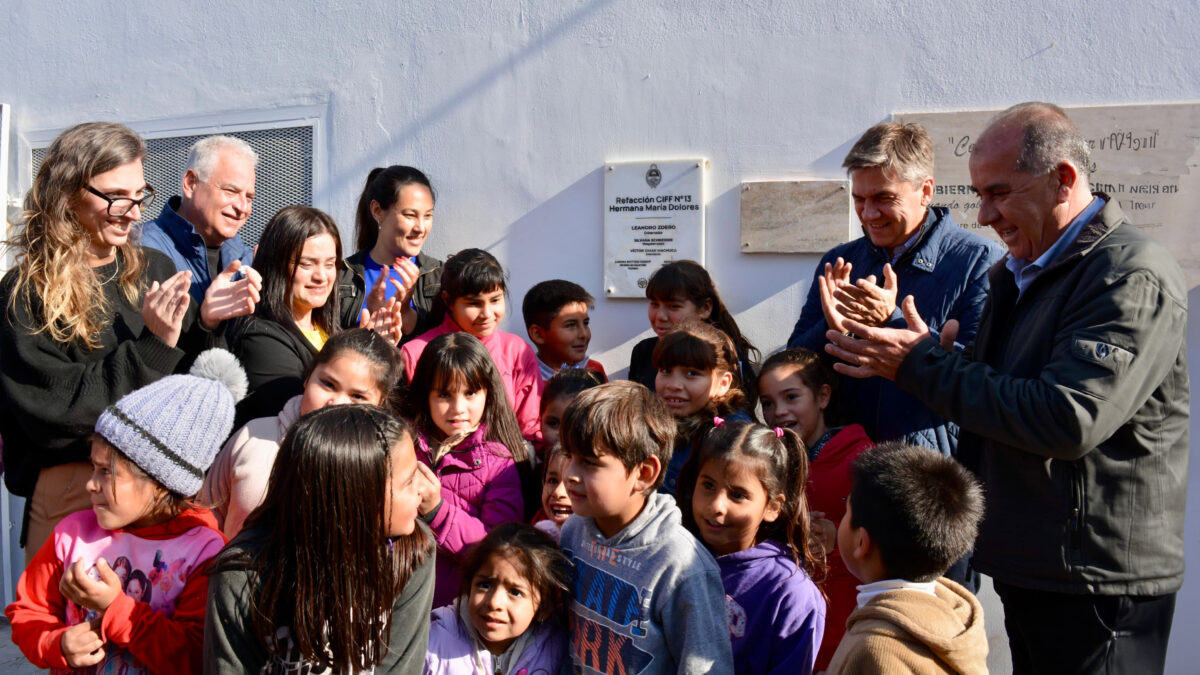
(284, 176)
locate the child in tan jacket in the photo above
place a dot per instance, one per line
(911, 513)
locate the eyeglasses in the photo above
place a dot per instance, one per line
(119, 206)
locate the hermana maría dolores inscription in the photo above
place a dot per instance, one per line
(1147, 157)
(653, 213)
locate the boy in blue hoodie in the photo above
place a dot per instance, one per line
(647, 595)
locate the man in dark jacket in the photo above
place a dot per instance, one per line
(907, 247)
(1073, 401)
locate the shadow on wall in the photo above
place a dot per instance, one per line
(568, 227)
(747, 280)
(472, 89)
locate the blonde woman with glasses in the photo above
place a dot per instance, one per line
(89, 316)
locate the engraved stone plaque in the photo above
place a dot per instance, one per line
(796, 216)
(653, 213)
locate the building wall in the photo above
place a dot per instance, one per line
(513, 107)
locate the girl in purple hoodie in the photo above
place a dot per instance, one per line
(470, 445)
(749, 509)
(509, 618)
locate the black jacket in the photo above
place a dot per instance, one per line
(276, 357)
(1073, 403)
(52, 393)
(429, 286)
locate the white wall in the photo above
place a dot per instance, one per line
(513, 108)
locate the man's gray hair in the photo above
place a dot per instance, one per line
(202, 157)
(902, 151)
(1049, 137)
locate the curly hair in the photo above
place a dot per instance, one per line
(57, 286)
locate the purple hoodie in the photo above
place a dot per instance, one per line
(453, 651)
(776, 613)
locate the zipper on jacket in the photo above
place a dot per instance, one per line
(1077, 513)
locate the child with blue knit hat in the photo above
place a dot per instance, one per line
(123, 587)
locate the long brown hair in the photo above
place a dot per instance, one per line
(814, 372)
(278, 254)
(305, 537)
(534, 555)
(782, 468)
(460, 356)
(57, 286)
(687, 279)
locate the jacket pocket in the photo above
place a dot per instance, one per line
(1077, 515)
(1101, 353)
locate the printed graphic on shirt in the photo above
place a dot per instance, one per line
(607, 645)
(158, 587)
(737, 617)
(285, 656)
(596, 649)
(614, 599)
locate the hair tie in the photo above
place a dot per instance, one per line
(778, 432)
(718, 421)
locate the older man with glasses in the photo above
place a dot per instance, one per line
(198, 230)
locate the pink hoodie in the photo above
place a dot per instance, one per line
(480, 490)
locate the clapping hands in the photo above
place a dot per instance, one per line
(164, 306)
(863, 301)
(228, 299)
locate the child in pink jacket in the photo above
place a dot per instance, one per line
(469, 445)
(472, 299)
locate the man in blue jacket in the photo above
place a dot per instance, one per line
(198, 231)
(909, 248)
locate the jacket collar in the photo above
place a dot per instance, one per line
(1109, 218)
(658, 513)
(178, 228)
(1094, 232)
(289, 414)
(926, 251)
(188, 519)
(425, 263)
(764, 549)
(184, 235)
(450, 326)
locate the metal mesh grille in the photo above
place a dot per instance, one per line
(284, 176)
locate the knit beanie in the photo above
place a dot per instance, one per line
(173, 428)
